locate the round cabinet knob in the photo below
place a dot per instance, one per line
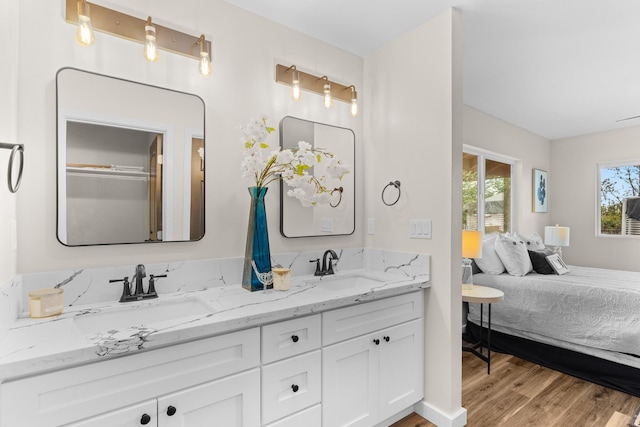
(295, 388)
(294, 338)
(376, 341)
(145, 419)
(171, 410)
(387, 339)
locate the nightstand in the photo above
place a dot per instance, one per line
(482, 295)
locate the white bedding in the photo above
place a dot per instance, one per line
(591, 310)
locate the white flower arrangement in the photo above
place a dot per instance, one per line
(289, 165)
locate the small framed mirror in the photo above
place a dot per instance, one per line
(337, 218)
(130, 161)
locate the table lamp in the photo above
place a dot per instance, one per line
(471, 248)
(557, 237)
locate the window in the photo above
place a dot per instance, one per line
(486, 192)
(619, 198)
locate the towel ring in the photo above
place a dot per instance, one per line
(339, 190)
(395, 184)
(15, 148)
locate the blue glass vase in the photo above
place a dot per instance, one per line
(257, 273)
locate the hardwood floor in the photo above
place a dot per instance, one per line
(520, 393)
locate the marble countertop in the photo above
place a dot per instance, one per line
(91, 332)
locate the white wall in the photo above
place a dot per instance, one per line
(8, 131)
(531, 151)
(245, 51)
(573, 196)
(413, 133)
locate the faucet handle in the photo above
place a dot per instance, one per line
(317, 261)
(126, 288)
(152, 283)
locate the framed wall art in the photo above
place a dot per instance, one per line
(540, 191)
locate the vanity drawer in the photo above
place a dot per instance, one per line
(291, 385)
(67, 395)
(290, 338)
(311, 417)
(349, 322)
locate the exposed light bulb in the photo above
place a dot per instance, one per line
(205, 64)
(354, 102)
(327, 95)
(295, 86)
(205, 57)
(150, 47)
(84, 34)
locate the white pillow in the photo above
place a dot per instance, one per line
(533, 242)
(513, 254)
(490, 262)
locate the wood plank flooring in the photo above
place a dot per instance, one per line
(519, 393)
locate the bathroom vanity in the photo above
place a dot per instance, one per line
(339, 350)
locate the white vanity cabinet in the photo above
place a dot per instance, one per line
(373, 365)
(291, 372)
(211, 377)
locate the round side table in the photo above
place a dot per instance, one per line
(482, 295)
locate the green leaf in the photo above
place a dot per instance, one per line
(264, 145)
(319, 157)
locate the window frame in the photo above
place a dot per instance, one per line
(599, 167)
(484, 155)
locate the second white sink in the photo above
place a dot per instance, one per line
(154, 313)
(350, 280)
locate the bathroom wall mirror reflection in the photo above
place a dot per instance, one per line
(130, 161)
(337, 218)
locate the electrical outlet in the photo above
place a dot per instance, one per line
(371, 226)
(420, 229)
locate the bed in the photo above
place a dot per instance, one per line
(585, 323)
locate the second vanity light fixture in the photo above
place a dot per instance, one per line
(329, 90)
(90, 16)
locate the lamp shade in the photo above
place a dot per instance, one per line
(556, 235)
(471, 244)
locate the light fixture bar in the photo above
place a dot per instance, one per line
(312, 83)
(131, 28)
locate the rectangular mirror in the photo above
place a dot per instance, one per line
(130, 163)
(337, 218)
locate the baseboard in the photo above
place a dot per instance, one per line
(396, 417)
(439, 418)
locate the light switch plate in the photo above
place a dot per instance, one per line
(371, 226)
(420, 229)
(326, 225)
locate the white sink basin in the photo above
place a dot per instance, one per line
(156, 313)
(350, 280)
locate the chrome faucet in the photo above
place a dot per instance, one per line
(138, 293)
(327, 263)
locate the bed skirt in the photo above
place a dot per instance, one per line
(590, 368)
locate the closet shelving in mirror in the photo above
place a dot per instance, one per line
(108, 171)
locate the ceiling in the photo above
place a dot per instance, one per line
(557, 68)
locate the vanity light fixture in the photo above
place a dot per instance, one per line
(150, 49)
(155, 37)
(326, 90)
(84, 34)
(295, 83)
(205, 56)
(299, 80)
(354, 101)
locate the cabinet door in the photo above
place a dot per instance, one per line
(401, 367)
(350, 383)
(132, 416)
(230, 402)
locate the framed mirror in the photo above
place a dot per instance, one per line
(130, 161)
(337, 218)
